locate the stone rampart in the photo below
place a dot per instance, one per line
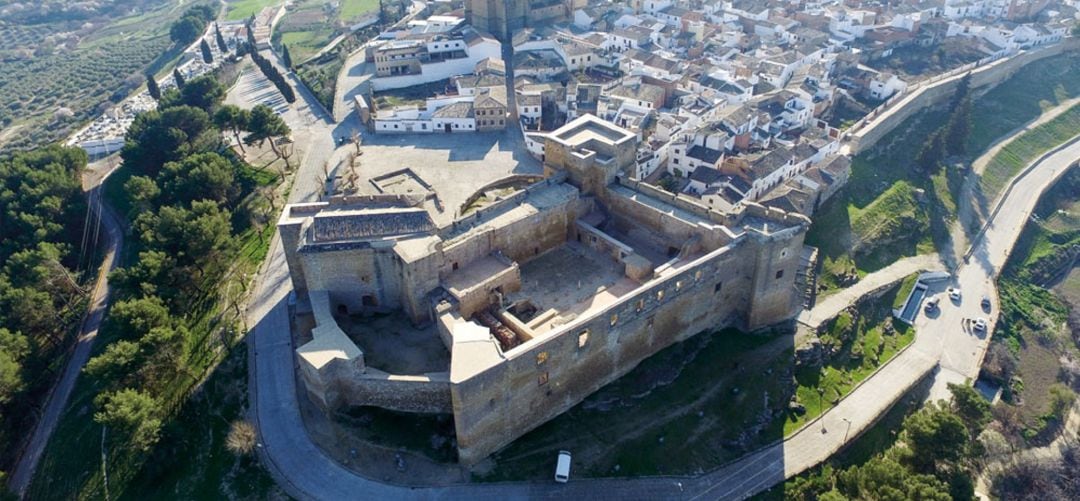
(983, 78)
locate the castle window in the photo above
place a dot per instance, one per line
(779, 274)
(455, 266)
(583, 338)
(541, 357)
(718, 286)
(542, 379)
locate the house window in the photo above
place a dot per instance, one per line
(395, 126)
(455, 266)
(717, 287)
(779, 274)
(423, 126)
(675, 161)
(542, 379)
(583, 338)
(541, 357)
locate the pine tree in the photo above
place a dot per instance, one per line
(932, 151)
(207, 55)
(963, 87)
(222, 46)
(152, 87)
(285, 56)
(178, 77)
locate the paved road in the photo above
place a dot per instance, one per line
(833, 304)
(99, 301)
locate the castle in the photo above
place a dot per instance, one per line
(539, 298)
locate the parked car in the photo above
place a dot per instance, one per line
(954, 293)
(562, 467)
(979, 325)
(932, 303)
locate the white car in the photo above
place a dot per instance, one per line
(979, 325)
(954, 293)
(562, 467)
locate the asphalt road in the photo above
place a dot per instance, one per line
(99, 301)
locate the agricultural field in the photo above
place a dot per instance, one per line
(238, 10)
(61, 70)
(309, 25)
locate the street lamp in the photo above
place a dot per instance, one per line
(821, 405)
(848, 421)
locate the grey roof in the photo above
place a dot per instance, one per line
(707, 155)
(335, 226)
(707, 175)
(454, 110)
(770, 162)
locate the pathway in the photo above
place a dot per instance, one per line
(58, 398)
(969, 214)
(833, 304)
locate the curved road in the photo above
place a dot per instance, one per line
(99, 301)
(307, 473)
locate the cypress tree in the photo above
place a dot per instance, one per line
(178, 77)
(207, 55)
(152, 87)
(222, 46)
(285, 56)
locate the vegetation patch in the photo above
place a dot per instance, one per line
(1022, 150)
(200, 221)
(906, 286)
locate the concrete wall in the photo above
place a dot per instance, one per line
(497, 406)
(983, 78)
(350, 275)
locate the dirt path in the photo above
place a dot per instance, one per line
(972, 206)
(23, 472)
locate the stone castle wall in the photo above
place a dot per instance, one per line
(983, 78)
(545, 377)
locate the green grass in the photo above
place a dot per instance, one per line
(1040, 85)
(238, 10)
(1021, 151)
(352, 10)
(863, 345)
(905, 289)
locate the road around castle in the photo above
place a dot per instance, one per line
(306, 472)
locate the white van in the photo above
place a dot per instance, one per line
(562, 468)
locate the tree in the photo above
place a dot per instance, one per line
(152, 87)
(200, 176)
(958, 128)
(241, 438)
(195, 236)
(935, 435)
(963, 88)
(166, 135)
(131, 412)
(265, 124)
(203, 92)
(222, 46)
(13, 350)
(931, 153)
(178, 78)
(207, 54)
(885, 478)
(186, 30)
(142, 191)
(233, 118)
(285, 56)
(116, 361)
(972, 408)
(134, 318)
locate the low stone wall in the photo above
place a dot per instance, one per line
(427, 393)
(983, 77)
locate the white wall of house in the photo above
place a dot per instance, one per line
(433, 72)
